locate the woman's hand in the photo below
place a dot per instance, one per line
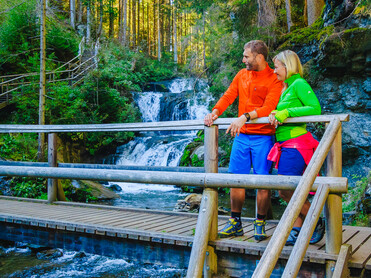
(236, 125)
(272, 120)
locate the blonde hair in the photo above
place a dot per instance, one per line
(291, 61)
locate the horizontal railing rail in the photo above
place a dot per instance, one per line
(223, 123)
(206, 180)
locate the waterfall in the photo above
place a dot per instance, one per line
(174, 100)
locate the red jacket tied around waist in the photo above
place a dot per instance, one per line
(305, 144)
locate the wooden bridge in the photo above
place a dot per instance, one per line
(72, 71)
(342, 247)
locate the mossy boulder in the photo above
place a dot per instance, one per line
(97, 190)
(346, 52)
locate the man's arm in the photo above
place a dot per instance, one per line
(271, 100)
(238, 123)
(227, 99)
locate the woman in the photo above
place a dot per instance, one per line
(295, 145)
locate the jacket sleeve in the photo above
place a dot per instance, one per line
(308, 98)
(271, 100)
(229, 96)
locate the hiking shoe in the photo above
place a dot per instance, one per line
(259, 230)
(319, 231)
(232, 228)
(293, 236)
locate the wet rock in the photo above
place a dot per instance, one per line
(34, 247)
(115, 187)
(336, 10)
(79, 255)
(49, 254)
(97, 190)
(190, 203)
(5, 186)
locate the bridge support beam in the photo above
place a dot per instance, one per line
(52, 161)
(203, 257)
(333, 206)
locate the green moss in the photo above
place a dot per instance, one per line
(315, 32)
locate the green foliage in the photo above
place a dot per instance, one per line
(28, 187)
(20, 40)
(354, 200)
(18, 147)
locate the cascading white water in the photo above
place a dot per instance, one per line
(186, 99)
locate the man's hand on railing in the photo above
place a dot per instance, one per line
(211, 117)
(236, 125)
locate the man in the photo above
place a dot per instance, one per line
(258, 90)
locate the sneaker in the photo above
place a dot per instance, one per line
(259, 230)
(293, 236)
(232, 228)
(319, 231)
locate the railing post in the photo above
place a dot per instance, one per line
(207, 221)
(333, 206)
(52, 160)
(211, 166)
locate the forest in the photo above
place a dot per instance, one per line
(141, 41)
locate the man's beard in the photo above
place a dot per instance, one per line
(252, 66)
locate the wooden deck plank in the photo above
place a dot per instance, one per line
(368, 264)
(362, 249)
(171, 223)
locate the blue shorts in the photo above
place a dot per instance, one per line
(251, 150)
(291, 162)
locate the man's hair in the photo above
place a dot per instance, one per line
(258, 47)
(291, 61)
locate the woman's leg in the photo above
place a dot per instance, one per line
(286, 196)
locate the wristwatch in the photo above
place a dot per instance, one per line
(247, 115)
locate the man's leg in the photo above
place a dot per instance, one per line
(237, 199)
(263, 201)
(259, 151)
(240, 163)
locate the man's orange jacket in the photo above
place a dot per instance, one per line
(257, 90)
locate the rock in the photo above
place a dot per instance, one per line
(200, 152)
(115, 187)
(194, 200)
(79, 255)
(49, 254)
(190, 203)
(98, 190)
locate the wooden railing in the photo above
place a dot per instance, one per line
(203, 258)
(73, 71)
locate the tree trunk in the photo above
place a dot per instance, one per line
(80, 12)
(120, 20)
(138, 23)
(148, 32)
(314, 8)
(111, 19)
(203, 38)
(267, 13)
(288, 14)
(42, 90)
(100, 27)
(88, 24)
(133, 21)
(175, 47)
(158, 32)
(72, 13)
(125, 24)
